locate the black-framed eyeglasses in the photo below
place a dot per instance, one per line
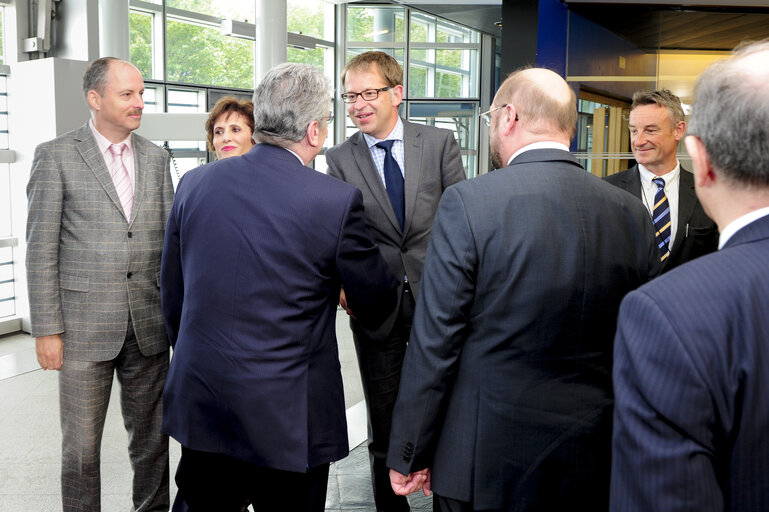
(486, 116)
(367, 95)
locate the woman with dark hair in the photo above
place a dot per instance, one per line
(230, 127)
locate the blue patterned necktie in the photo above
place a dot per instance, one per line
(661, 218)
(393, 180)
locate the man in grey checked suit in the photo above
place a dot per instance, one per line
(428, 162)
(97, 216)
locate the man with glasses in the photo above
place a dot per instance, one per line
(255, 252)
(506, 397)
(402, 169)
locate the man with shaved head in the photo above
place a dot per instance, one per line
(506, 401)
(691, 369)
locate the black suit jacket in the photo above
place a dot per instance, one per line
(506, 387)
(696, 233)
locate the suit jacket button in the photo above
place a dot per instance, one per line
(130, 234)
(128, 275)
(404, 249)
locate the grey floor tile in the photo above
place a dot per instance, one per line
(355, 490)
(332, 493)
(26, 503)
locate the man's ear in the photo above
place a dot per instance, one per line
(509, 118)
(314, 138)
(679, 130)
(94, 100)
(703, 170)
(396, 95)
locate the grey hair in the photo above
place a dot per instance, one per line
(289, 97)
(663, 98)
(730, 116)
(95, 77)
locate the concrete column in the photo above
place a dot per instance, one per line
(271, 36)
(114, 29)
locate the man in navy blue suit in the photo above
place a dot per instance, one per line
(256, 250)
(691, 371)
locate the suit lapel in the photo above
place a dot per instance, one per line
(633, 181)
(140, 163)
(89, 151)
(412, 148)
(687, 199)
(365, 163)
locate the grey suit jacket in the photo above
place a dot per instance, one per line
(696, 233)
(432, 164)
(87, 268)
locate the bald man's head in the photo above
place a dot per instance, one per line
(543, 100)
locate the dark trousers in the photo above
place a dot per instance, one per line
(443, 504)
(380, 369)
(214, 482)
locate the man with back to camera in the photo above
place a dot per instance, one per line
(402, 168)
(98, 198)
(691, 371)
(683, 230)
(505, 401)
(256, 250)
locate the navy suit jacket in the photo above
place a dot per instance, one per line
(506, 387)
(691, 378)
(255, 252)
(696, 233)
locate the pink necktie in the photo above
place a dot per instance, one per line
(121, 179)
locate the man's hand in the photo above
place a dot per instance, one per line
(343, 302)
(49, 351)
(404, 485)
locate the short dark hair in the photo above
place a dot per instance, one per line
(229, 105)
(730, 116)
(95, 77)
(663, 98)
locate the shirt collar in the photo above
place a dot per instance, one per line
(297, 156)
(740, 222)
(103, 143)
(539, 145)
(395, 134)
(647, 176)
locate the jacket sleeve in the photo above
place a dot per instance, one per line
(369, 285)
(45, 197)
(664, 443)
(452, 169)
(437, 337)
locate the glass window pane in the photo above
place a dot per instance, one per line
(242, 10)
(460, 118)
(443, 73)
(140, 47)
(186, 100)
(202, 55)
(429, 29)
(153, 98)
(5, 200)
(311, 18)
(375, 24)
(2, 34)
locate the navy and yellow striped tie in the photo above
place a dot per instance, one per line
(661, 218)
